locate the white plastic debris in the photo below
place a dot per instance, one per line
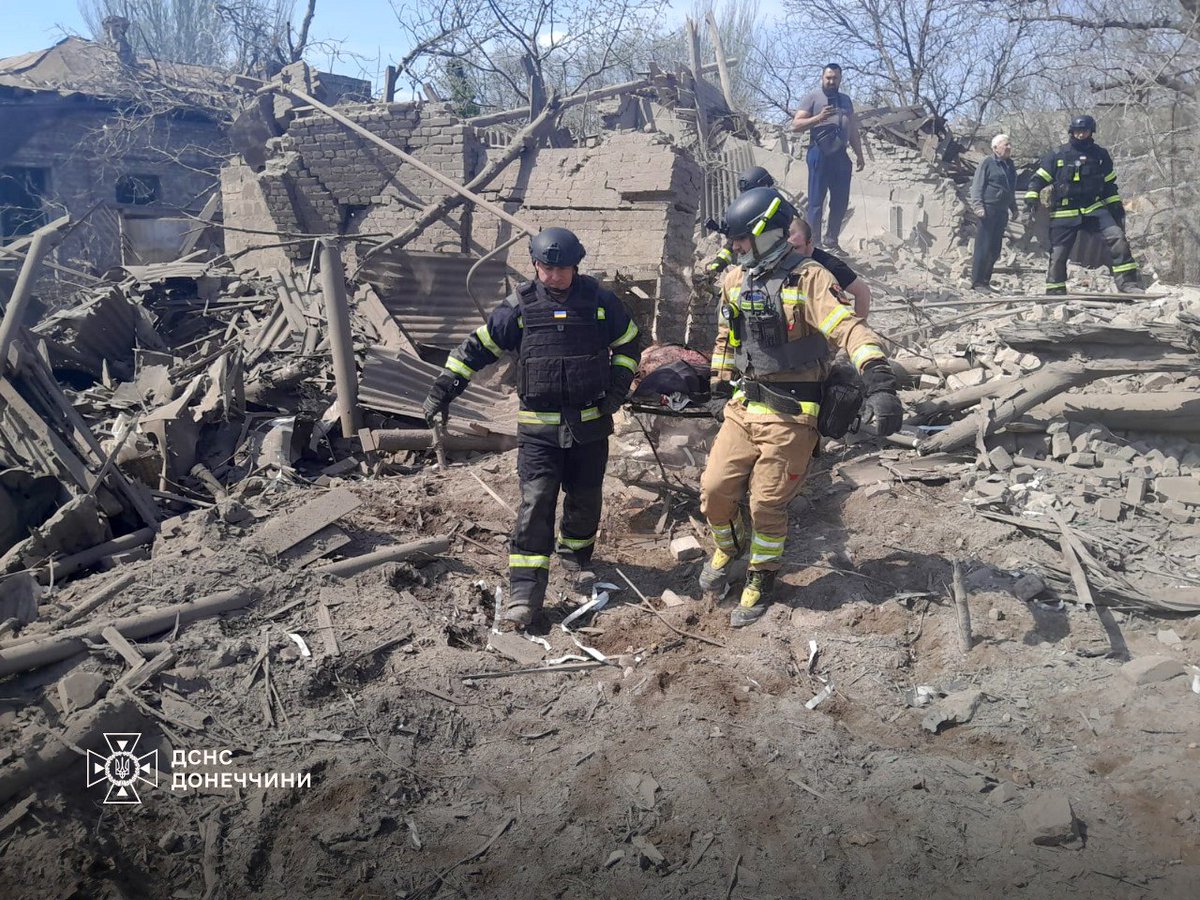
(304, 651)
(600, 595)
(921, 695)
(812, 655)
(825, 693)
(499, 603)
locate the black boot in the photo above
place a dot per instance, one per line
(756, 597)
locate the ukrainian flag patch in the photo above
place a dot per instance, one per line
(560, 314)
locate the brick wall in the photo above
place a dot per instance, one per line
(632, 200)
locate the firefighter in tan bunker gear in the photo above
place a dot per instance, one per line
(780, 313)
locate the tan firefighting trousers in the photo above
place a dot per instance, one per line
(770, 458)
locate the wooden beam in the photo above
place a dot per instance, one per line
(722, 66)
(697, 76)
(513, 115)
(44, 240)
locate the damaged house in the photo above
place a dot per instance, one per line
(131, 147)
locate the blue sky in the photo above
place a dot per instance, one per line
(364, 28)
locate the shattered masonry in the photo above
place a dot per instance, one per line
(632, 199)
(986, 649)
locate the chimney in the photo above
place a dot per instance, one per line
(117, 30)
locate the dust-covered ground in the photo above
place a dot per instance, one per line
(684, 767)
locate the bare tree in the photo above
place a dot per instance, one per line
(515, 51)
(1134, 64)
(184, 31)
(253, 36)
(738, 23)
(954, 56)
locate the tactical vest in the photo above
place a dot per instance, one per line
(759, 328)
(1078, 176)
(564, 361)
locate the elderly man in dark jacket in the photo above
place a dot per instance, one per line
(993, 196)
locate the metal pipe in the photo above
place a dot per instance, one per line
(411, 160)
(64, 644)
(479, 262)
(43, 242)
(346, 568)
(391, 440)
(341, 341)
(60, 570)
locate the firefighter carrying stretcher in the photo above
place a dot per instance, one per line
(780, 313)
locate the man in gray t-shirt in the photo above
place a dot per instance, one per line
(830, 115)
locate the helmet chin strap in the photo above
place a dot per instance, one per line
(766, 249)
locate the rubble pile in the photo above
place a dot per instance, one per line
(224, 531)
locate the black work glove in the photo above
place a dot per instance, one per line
(720, 392)
(1118, 214)
(618, 390)
(445, 388)
(609, 404)
(1031, 205)
(882, 413)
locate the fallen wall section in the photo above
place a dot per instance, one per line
(632, 200)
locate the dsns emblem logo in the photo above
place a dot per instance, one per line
(122, 768)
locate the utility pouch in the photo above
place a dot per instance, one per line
(763, 319)
(842, 398)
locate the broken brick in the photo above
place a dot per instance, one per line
(686, 548)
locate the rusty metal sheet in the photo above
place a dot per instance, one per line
(398, 384)
(426, 292)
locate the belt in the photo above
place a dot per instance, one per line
(783, 396)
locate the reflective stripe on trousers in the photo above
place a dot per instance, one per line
(768, 460)
(543, 468)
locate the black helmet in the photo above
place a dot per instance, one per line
(755, 176)
(556, 247)
(1083, 123)
(755, 211)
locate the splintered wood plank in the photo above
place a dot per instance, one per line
(325, 626)
(291, 529)
(117, 641)
(135, 678)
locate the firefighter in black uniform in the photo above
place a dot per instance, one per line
(1084, 196)
(578, 352)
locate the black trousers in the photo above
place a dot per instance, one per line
(988, 241)
(543, 468)
(1062, 239)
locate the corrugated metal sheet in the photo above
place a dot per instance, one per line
(399, 385)
(104, 329)
(156, 272)
(426, 292)
(720, 180)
